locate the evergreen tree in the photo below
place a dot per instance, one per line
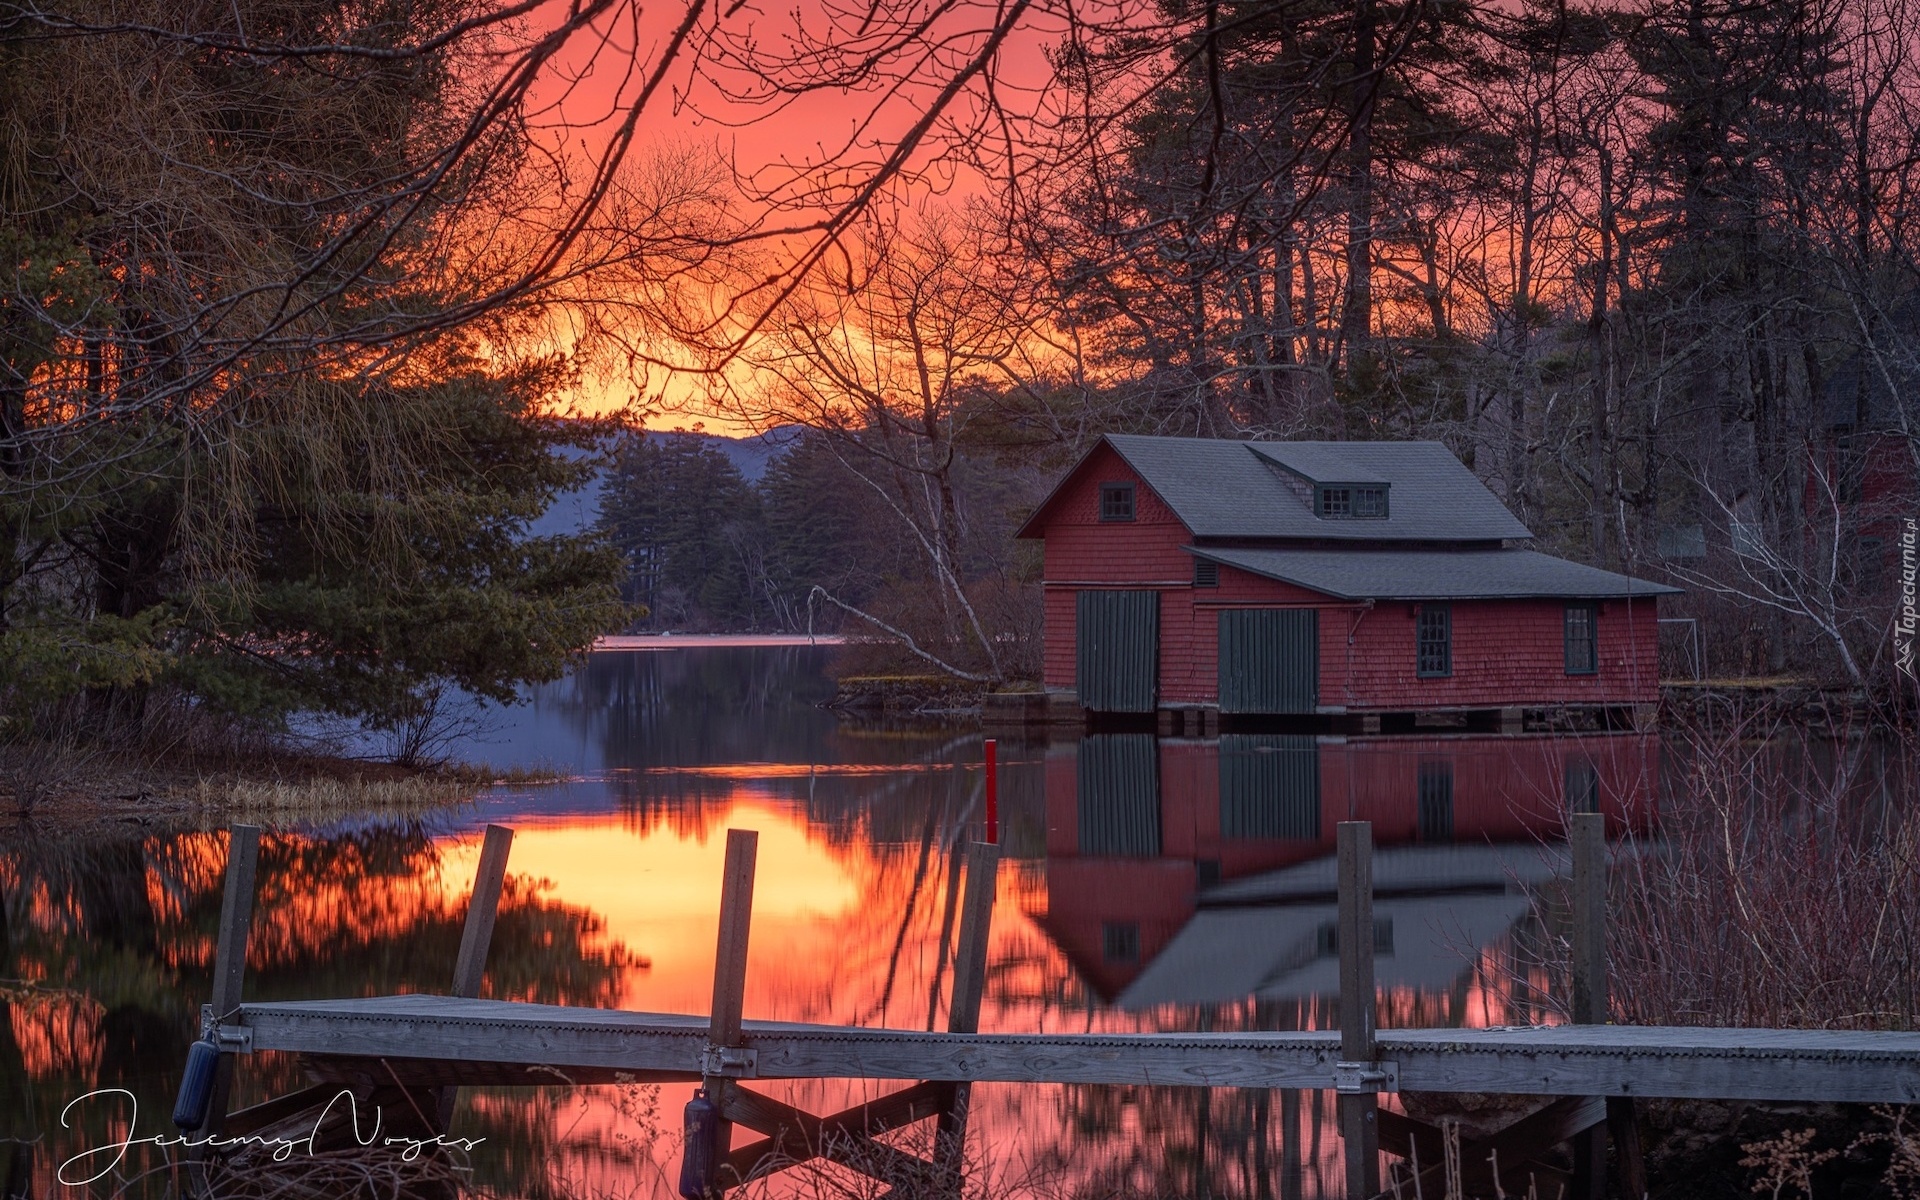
(257, 454)
(689, 527)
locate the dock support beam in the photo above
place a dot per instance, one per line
(969, 987)
(483, 909)
(1588, 832)
(229, 976)
(1292, 1173)
(230, 954)
(1359, 1112)
(730, 970)
(1590, 1007)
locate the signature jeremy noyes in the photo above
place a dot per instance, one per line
(101, 1160)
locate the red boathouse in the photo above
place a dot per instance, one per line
(1321, 578)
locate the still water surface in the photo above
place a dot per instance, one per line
(1150, 884)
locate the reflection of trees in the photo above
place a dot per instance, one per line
(119, 934)
(1188, 1142)
(17, 1113)
(548, 1143)
(709, 705)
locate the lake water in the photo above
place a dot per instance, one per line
(1150, 885)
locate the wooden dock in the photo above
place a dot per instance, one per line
(444, 1039)
(410, 1054)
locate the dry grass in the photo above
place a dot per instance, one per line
(1788, 1167)
(324, 797)
(1780, 893)
(480, 775)
(55, 786)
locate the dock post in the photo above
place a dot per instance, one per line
(230, 953)
(993, 791)
(730, 972)
(483, 909)
(1588, 832)
(1292, 1174)
(969, 988)
(1359, 1126)
(229, 975)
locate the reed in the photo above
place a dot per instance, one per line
(326, 797)
(1779, 888)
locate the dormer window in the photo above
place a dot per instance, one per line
(1344, 501)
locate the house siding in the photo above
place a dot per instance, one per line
(1505, 652)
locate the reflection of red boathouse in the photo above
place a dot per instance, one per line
(1142, 833)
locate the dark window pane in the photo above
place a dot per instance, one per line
(1120, 941)
(1582, 645)
(1435, 640)
(1116, 502)
(1370, 502)
(1336, 502)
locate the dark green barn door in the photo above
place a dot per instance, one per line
(1117, 637)
(1269, 786)
(1119, 795)
(1269, 660)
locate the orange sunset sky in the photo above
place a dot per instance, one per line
(582, 100)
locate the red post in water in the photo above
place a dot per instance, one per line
(993, 791)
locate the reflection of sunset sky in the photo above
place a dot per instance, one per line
(852, 895)
(827, 917)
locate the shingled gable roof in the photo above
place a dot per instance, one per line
(1224, 489)
(1508, 574)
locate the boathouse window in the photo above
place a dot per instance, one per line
(1206, 574)
(1366, 503)
(1435, 641)
(1116, 502)
(1850, 448)
(1582, 640)
(1120, 941)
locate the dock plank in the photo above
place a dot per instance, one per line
(1589, 1060)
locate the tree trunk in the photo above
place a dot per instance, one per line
(1357, 320)
(1598, 459)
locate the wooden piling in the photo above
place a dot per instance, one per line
(230, 954)
(969, 988)
(1359, 1127)
(993, 791)
(229, 977)
(1589, 837)
(976, 923)
(730, 966)
(1292, 1168)
(1588, 834)
(483, 909)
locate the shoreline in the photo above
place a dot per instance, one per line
(688, 641)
